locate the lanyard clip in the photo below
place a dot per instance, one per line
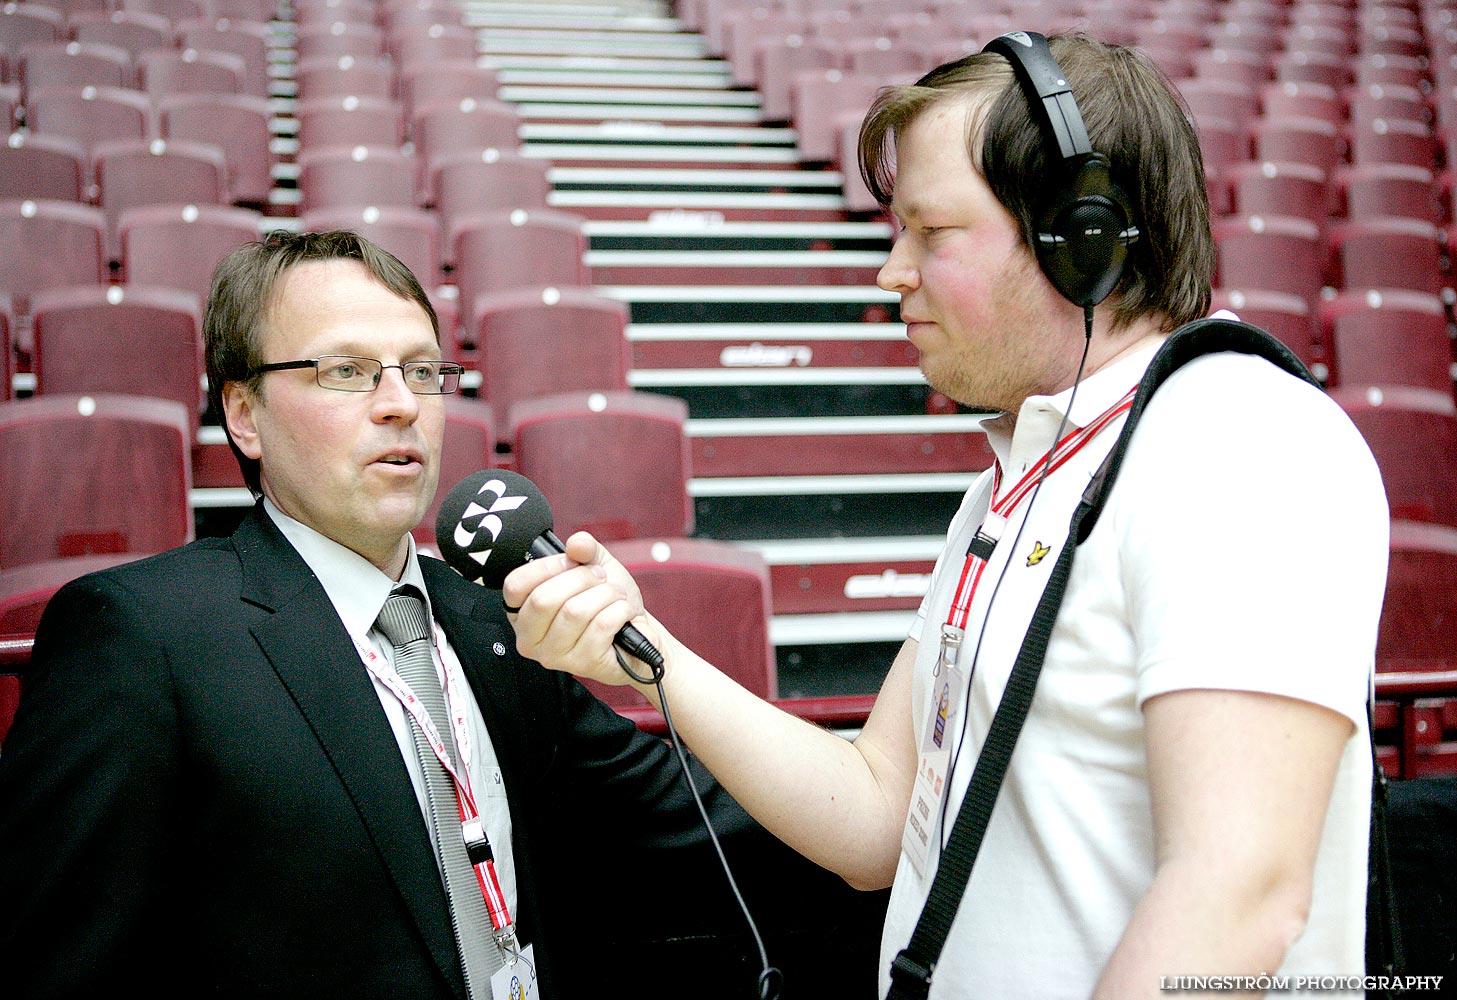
(477, 844)
(951, 638)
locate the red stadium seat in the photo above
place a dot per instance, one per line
(338, 38)
(49, 244)
(134, 31)
(180, 246)
(615, 463)
(411, 234)
(1393, 140)
(431, 44)
(348, 121)
(122, 486)
(714, 597)
(818, 98)
(535, 342)
(344, 177)
(470, 445)
(7, 348)
(1384, 252)
(1388, 337)
(1292, 99)
(1376, 190)
(74, 64)
(90, 115)
(90, 338)
(464, 126)
(1419, 616)
(1293, 189)
(1375, 101)
(779, 60)
(1316, 141)
(342, 76)
(133, 173)
(246, 39)
(22, 24)
(1223, 99)
(189, 71)
(1275, 253)
(1413, 434)
(238, 125)
(43, 166)
(496, 251)
(448, 81)
(488, 180)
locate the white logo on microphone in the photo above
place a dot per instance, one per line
(488, 519)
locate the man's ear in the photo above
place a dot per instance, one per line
(239, 406)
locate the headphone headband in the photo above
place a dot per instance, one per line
(1084, 225)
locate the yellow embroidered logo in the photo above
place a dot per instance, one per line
(1039, 552)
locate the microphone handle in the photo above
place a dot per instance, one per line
(629, 639)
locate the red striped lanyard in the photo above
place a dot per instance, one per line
(477, 843)
(986, 538)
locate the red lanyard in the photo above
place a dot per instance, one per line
(477, 843)
(986, 538)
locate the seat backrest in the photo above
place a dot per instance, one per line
(1413, 434)
(613, 463)
(1389, 252)
(180, 246)
(132, 174)
(411, 234)
(238, 124)
(340, 76)
(120, 339)
(93, 474)
(714, 597)
(1388, 337)
(350, 120)
(190, 71)
(470, 445)
(246, 39)
(488, 180)
(49, 244)
(133, 30)
(1419, 616)
(90, 115)
(543, 341)
(22, 24)
(74, 64)
(497, 251)
(42, 166)
(354, 177)
(460, 126)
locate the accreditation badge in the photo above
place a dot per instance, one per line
(927, 799)
(516, 980)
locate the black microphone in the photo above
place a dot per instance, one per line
(493, 521)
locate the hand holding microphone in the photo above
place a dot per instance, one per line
(493, 521)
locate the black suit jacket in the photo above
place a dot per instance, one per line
(201, 794)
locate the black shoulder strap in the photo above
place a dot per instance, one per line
(912, 968)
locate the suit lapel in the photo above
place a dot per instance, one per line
(316, 660)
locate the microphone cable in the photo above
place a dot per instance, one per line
(991, 599)
(771, 980)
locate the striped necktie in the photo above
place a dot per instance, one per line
(403, 621)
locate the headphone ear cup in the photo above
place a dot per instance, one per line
(1084, 243)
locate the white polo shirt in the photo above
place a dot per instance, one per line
(1243, 548)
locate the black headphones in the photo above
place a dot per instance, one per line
(1085, 225)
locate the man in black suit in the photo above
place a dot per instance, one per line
(211, 788)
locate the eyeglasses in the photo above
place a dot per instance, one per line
(346, 374)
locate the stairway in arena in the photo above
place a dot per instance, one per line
(751, 294)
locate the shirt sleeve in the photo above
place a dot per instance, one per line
(1253, 538)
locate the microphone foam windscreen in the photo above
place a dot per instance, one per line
(487, 523)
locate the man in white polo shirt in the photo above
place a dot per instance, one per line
(1189, 796)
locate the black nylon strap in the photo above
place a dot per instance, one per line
(912, 970)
